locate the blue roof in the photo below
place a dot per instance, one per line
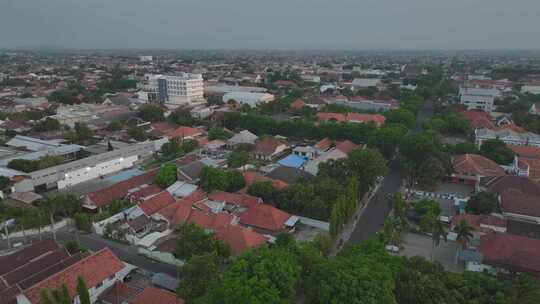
(292, 160)
(124, 175)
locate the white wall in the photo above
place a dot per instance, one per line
(88, 173)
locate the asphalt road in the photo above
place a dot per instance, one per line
(94, 242)
(372, 218)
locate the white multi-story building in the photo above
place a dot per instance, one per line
(175, 90)
(531, 88)
(508, 136)
(478, 99)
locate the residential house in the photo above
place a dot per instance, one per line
(243, 137)
(96, 200)
(377, 119)
(267, 219)
(470, 169)
(269, 147)
(289, 175)
(508, 253)
(122, 293)
(46, 266)
(182, 133)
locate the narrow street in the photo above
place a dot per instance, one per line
(372, 218)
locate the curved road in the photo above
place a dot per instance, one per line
(372, 218)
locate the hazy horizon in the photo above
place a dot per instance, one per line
(272, 25)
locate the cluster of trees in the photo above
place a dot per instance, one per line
(212, 179)
(453, 123)
(240, 155)
(182, 116)
(176, 148)
(219, 133)
(68, 95)
(49, 124)
(401, 116)
(81, 134)
(288, 272)
(299, 128)
(424, 160)
(167, 175)
(151, 113)
(27, 166)
(497, 151)
(344, 207)
(482, 203)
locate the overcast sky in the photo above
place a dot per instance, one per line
(271, 24)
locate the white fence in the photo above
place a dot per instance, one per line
(44, 229)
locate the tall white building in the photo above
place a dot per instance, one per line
(478, 99)
(175, 90)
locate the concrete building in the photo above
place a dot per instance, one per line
(510, 137)
(478, 99)
(249, 98)
(175, 90)
(531, 88)
(85, 169)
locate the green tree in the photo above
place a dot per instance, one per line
(167, 175)
(497, 151)
(219, 133)
(388, 138)
(193, 240)
(400, 116)
(83, 222)
(482, 203)
(262, 276)
(216, 179)
(464, 232)
(264, 190)
(82, 291)
(197, 275)
(137, 133)
(366, 165)
(151, 113)
(525, 290)
(182, 116)
(237, 159)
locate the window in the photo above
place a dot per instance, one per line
(99, 285)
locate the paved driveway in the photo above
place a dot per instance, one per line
(420, 245)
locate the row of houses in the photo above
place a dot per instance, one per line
(46, 266)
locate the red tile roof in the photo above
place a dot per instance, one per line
(514, 201)
(118, 293)
(161, 128)
(251, 176)
(266, 217)
(240, 238)
(324, 144)
(155, 295)
(365, 118)
(297, 104)
(476, 165)
(267, 146)
(478, 119)
(524, 184)
(331, 116)
(534, 166)
(183, 132)
(156, 203)
(119, 190)
(346, 146)
(514, 252)
(526, 151)
(93, 269)
(244, 200)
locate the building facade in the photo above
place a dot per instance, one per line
(175, 90)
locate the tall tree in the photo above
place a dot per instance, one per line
(82, 291)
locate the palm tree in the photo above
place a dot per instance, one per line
(464, 233)
(437, 232)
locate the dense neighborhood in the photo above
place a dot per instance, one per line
(247, 177)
